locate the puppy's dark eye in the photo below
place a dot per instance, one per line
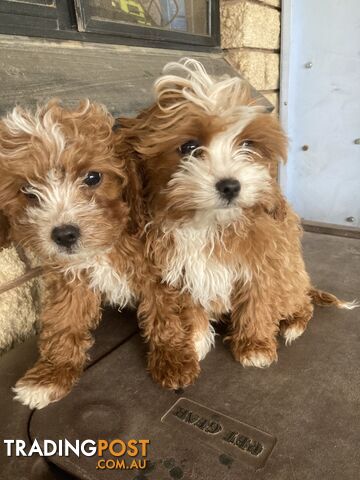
(31, 196)
(26, 190)
(188, 147)
(92, 178)
(246, 143)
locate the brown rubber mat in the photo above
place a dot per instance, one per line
(303, 412)
(114, 329)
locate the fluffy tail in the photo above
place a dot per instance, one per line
(326, 299)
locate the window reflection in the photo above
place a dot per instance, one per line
(187, 16)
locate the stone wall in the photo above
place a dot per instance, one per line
(250, 37)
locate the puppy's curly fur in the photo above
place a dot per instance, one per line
(70, 192)
(219, 229)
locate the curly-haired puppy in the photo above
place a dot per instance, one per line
(219, 229)
(71, 194)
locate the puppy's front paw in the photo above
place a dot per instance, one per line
(172, 368)
(44, 384)
(255, 356)
(33, 395)
(291, 332)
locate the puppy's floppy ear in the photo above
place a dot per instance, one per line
(269, 139)
(10, 141)
(278, 207)
(276, 142)
(270, 142)
(15, 134)
(5, 238)
(132, 192)
(133, 185)
(133, 195)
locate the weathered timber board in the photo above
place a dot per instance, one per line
(121, 77)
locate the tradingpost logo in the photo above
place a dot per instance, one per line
(115, 454)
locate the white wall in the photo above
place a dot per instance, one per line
(323, 108)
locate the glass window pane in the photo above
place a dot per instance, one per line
(188, 16)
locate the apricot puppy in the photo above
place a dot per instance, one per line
(219, 229)
(72, 195)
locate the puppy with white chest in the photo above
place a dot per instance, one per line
(219, 229)
(72, 195)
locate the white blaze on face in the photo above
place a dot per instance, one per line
(228, 160)
(59, 203)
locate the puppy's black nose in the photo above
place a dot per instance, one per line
(65, 235)
(228, 188)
